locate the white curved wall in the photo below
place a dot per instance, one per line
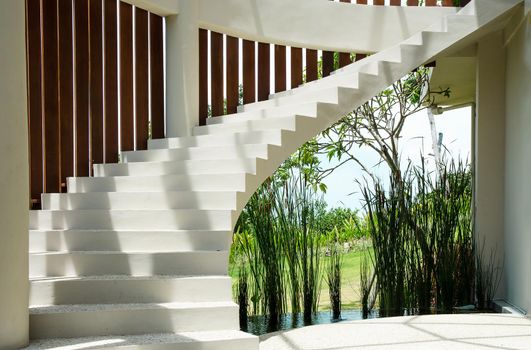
(14, 197)
(518, 167)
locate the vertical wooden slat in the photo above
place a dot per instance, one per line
(111, 82)
(448, 3)
(232, 82)
(344, 57)
(280, 68)
(361, 2)
(249, 91)
(126, 77)
(412, 3)
(311, 65)
(328, 63)
(360, 56)
(203, 76)
(141, 78)
(216, 73)
(296, 67)
(264, 71)
(378, 2)
(396, 2)
(66, 100)
(156, 52)
(52, 138)
(431, 2)
(33, 42)
(81, 26)
(96, 82)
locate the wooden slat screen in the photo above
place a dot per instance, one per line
(249, 79)
(264, 71)
(96, 82)
(73, 86)
(33, 52)
(232, 84)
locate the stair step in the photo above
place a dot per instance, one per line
(257, 150)
(140, 200)
(284, 123)
(98, 263)
(307, 109)
(161, 183)
(171, 219)
(74, 321)
(209, 340)
(129, 289)
(313, 95)
(183, 167)
(41, 241)
(252, 137)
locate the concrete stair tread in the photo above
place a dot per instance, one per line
(54, 309)
(244, 137)
(125, 277)
(87, 231)
(103, 342)
(110, 252)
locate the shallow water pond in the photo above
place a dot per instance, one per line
(259, 325)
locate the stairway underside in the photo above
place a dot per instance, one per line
(137, 256)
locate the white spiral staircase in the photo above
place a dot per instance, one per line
(137, 255)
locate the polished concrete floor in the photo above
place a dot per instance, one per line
(460, 331)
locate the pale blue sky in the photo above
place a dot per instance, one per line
(456, 128)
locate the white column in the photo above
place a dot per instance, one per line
(490, 149)
(14, 197)
(182, 70)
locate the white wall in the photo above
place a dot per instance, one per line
(518, 168)
(490, 149)
(13, 178)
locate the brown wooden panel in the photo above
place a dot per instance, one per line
(141, 78)
(264, 72)
(396, 2)
(111, 82)
(249, 91)
(33, 61)
(280, 68)
(431, 2)
(203, 76)
(82, 86)
(296, 67)
(66, 94)
(96, 82)
(126, 78)
(52, 149)
(232, 82)
(156, 51)
(412, 3)
(328, 63)
(344, 59)
(361, 2)
(216, 73)
(448, 3)
(311, 65)
(378, 2)
(360, 56)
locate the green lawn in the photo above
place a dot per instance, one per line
(350, 281)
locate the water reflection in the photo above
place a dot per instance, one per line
(259, 325)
